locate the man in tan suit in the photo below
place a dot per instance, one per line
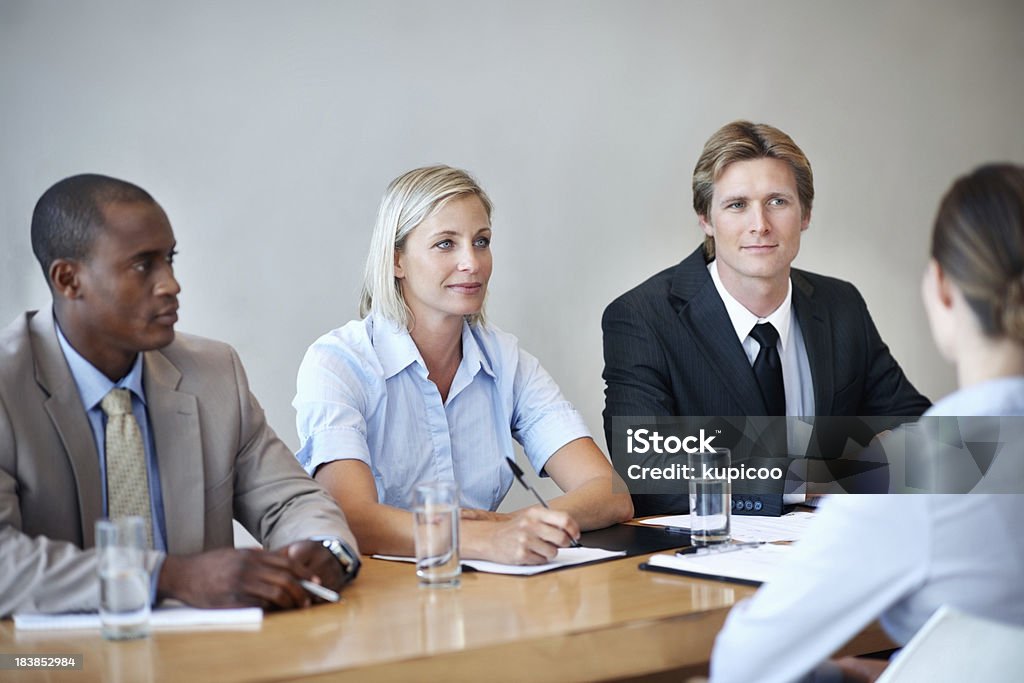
(197, 453)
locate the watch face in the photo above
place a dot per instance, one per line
(347, 560)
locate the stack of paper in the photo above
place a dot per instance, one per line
(756, 564)
(752, 528)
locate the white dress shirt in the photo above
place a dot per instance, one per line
(896, 558)
(796, 367)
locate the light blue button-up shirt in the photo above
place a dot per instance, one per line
(92, 386)
(363, 394)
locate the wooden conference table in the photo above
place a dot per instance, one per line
(603, 621)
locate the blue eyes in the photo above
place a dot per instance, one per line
(479, 243)
(774, 201)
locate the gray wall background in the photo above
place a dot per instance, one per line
(269, 130)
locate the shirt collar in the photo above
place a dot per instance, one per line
(473, 356)
(92, 384)
(396, 350)
(394, 346)
(743, 321)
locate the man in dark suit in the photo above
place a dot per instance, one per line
(105, 411)
(732, 329)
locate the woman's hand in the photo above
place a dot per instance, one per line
(531, 536)
(484, 515)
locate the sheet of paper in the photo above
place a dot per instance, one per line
(565, 558)
(750, 528)
(162, 617)
(759, 563)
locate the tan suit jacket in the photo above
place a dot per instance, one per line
(217, 456)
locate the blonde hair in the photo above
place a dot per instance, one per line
(744, 141)
(978, 240)
(410, 199)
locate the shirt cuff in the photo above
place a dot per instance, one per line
(342, 443)
(556, 428)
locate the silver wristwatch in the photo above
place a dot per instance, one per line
(349, 562)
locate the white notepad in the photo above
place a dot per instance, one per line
(757, 564)
(162, 617)
(566, 557)
(751, 528)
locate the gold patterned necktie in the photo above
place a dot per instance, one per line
(127, 478)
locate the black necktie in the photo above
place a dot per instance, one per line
(768, 369)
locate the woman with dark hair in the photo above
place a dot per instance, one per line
(899, 558)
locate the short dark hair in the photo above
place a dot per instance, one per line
(69, 214)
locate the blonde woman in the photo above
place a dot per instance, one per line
(422, 388)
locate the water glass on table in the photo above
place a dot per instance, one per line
(710, 496)
(436, 533)
(124, 581)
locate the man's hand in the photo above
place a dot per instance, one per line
(323, 567)
(237, 578)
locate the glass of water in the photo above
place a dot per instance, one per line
(124, 582)
(436, 532)
(710, 496)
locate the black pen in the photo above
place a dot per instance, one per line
(519, 477)
(721, 548)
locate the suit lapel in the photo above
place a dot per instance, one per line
(64, 406)
(174, 418)
(704, 315)
(816, 327)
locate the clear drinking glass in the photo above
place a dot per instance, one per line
(710, 496)
(436, 532)
(124, 582)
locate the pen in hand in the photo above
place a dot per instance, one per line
(519, 477)
(322, 592)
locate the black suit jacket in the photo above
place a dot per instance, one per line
(670, 349)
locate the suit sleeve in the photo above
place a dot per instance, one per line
(887, 391)
(38, 574)
(636, 375)
(274, 497)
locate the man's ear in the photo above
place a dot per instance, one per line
(805, 222)
(65, 278)
(706, 226)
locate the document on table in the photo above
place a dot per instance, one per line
(755, 565)
(566, 557)
(162, 617)
(751, 528)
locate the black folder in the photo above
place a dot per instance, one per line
(635, 539)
